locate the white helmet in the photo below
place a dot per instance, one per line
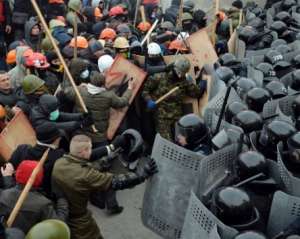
(105, 62)
(154, 49)
(183, 36)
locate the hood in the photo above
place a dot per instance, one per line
(28, 26)
(77, 66)
(19, 53)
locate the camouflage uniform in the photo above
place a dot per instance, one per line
(171, 109)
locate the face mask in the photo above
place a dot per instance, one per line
(54, 115)
(85, 74)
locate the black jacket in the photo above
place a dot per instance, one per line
(35, 209)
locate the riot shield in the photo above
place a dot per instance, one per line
(167, 192)
(201, 223)
(215, 104)
(290, 182)
(120, 72)
(215, 170)
(256, 75)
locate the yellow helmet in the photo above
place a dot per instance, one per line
(121, 43)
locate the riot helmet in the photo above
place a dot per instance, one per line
(250, 235)
(275, 132)
(284, 49)
(234, 207)
(248, 120)
(296, 107)
(247, 33)
(233, 109)
(225, 73)
(296, 61)
(295, 82)
(188, 6)
(250, 164)
(228, 60)
(278, 42)
(283, 16)
(276, 89)
(134, 148)
(279, 27)
(293, 144)
(267, 69)
(256, 99)
(244, 85)
(286, 5)
(191, 131)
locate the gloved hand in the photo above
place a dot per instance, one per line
(121, 141)
(149, 169)
(87, 120)
(151, 105)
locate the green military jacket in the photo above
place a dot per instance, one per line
(77, 179)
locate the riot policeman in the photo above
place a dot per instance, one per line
(192, 133)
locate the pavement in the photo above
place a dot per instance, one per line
(128, 224)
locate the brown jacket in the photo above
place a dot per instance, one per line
(77, 179)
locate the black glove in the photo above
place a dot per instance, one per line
(149, 169)
(87, 120)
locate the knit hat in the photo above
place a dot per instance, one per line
(238, 4)
(25, 170)
(47, 133)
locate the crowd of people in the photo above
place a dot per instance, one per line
(90, 35)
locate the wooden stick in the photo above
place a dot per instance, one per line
(75, 37)
(241, 17)
(149, 32)
(230, 27)
(26, 189)
(180, 13)
(137, 7)
(62, 60)
(142, 10)
(167, 95)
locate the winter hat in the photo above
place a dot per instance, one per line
(238, 4)
(25, 170)
(47, 133)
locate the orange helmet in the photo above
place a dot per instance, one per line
(97, 12)
(144, 26)
(11, 57)
(108, 34)
(115, 11)
(177, 45)
(37, 60)
(81, 42)
(2, 112)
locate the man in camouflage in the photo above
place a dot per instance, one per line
(171, 109)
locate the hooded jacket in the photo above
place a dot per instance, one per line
(32, 41)
(18, 73)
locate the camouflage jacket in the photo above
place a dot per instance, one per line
(159, 84)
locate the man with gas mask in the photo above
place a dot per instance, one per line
(170, 110)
